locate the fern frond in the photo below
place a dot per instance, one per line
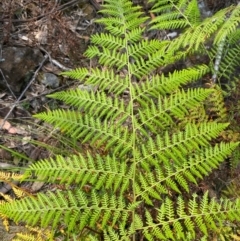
(177, 171)
(106, 80)
(150, 137)
(192, 38)
(19, 192)
(183, 221)
(89, 129)
(10, 176)
(6, 197)
(95, 171)
(175, 14)
(33, 234)
(192, 138)
(215, 104)
(79, 73)
(230, 62)
(230, 56)
(5, 222)
(163, 85)
(142, 49)
(230, 25)
(124, 17)
(228, 232)
(107, 57)
(74, 209)
(108, 41)
(142, 67)
(169, 109)
(95, 104)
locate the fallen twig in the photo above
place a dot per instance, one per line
(61, 7)
(22, 94)
(4, 79)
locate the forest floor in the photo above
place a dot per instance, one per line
(61, 31)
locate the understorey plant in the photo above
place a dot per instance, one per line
(147, 140)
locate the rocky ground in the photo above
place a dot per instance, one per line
(38, 40)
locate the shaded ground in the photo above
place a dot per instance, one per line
(59, 30)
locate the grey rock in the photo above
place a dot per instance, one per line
(16, 64)
(50, 80)
(13, 230)
(88, 88)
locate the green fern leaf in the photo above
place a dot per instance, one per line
(145, 137)
(175, 14)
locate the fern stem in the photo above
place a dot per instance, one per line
(133, 141)
(218, 60)
(133, 132)
(182, 13)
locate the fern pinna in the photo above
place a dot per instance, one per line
(219, 31)
(151, 141)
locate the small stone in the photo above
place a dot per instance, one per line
(88, 88)
(37, 186)
(17, 63)
(50, 80)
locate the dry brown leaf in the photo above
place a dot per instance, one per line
(12, 130)
(5, 125)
